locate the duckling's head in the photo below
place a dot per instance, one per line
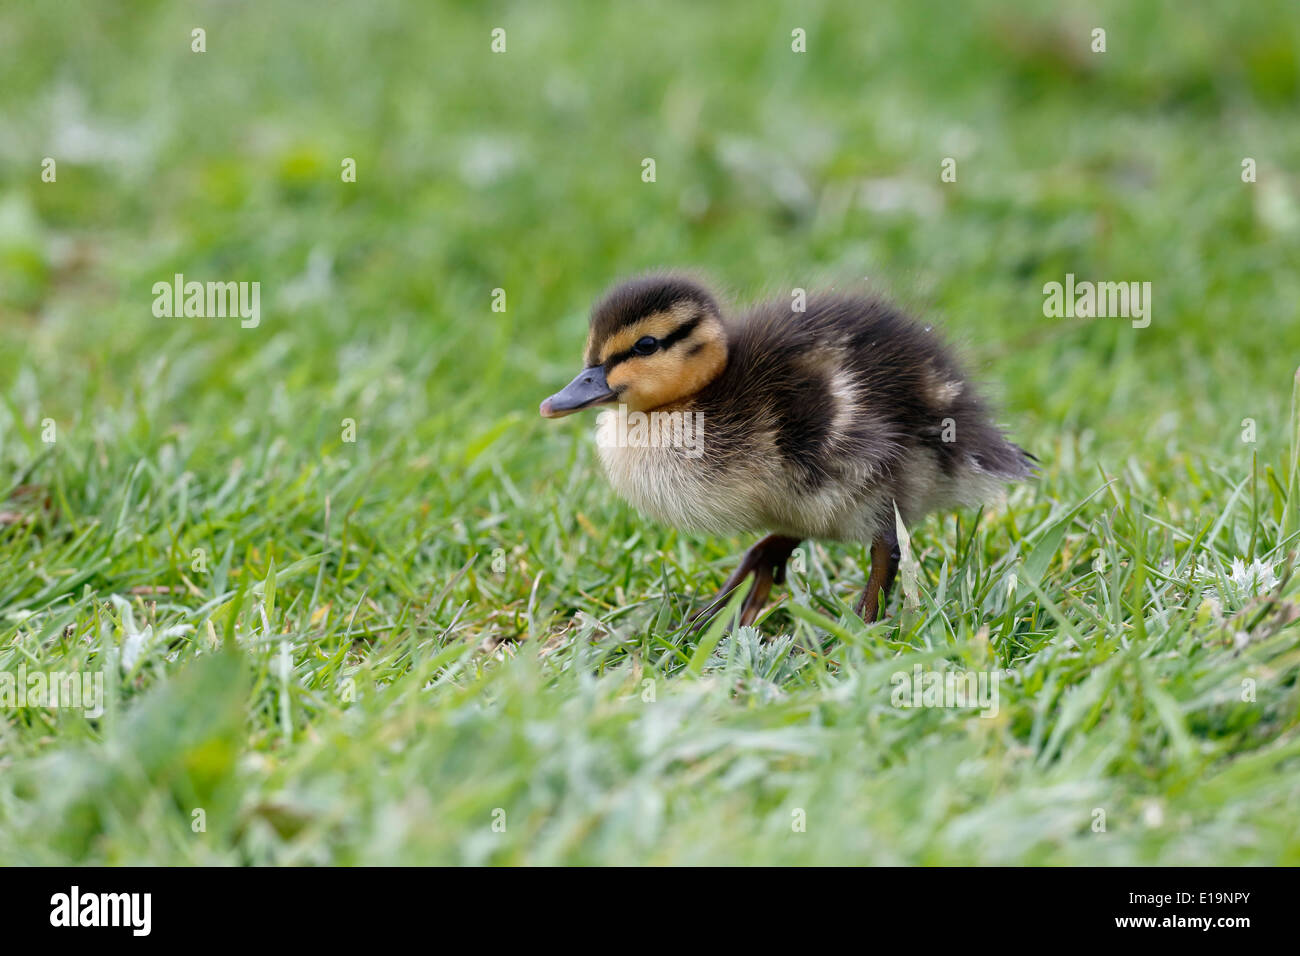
(654, 340)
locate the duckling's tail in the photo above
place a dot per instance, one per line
(1007, 460)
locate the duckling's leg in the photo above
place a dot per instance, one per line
(884, 565)
(766, 562)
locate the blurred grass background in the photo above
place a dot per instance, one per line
(520, 688)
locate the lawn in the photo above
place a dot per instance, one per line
(352, 601)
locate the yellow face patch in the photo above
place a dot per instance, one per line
(668, 375)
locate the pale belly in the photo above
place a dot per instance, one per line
(745, 495)
(664, 484)
(750, 491)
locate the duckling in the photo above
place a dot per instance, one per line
(810, 425)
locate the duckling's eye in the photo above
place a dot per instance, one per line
(646, 345)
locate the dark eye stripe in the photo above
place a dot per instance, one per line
(679, 333)
(667, 342)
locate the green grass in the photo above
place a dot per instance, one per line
(372, 651)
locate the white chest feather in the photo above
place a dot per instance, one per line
(668, 480)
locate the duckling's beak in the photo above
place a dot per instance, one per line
(589, 388)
